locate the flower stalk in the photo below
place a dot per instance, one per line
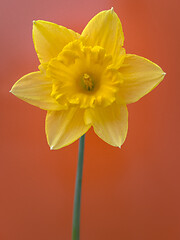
(77, 196)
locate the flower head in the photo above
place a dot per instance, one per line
(86, 80)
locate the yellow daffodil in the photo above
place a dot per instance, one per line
(86, 80)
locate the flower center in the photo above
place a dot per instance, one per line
(87, 82)
(84, 76)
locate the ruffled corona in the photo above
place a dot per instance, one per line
(83, 76)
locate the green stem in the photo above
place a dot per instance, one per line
(77, 197)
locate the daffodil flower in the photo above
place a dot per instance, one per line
(86, 80)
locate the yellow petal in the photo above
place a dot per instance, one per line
(110, 123)
(35, 89)
(64, 127)
(49, 39)
(105, 30)
(139, 76)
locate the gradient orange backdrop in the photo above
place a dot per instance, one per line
(127, 194)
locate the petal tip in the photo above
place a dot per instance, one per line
(163, 73)
(112, 9)
(36, 23)
(11, 91)
(51, 147)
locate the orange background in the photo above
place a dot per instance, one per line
(127, 194)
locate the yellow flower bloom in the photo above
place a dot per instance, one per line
(86, 80)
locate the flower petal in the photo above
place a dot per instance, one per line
(64, 127)
(139, 76)
(105, 30)
(49, 39)
(35, 89)
(110, 123)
